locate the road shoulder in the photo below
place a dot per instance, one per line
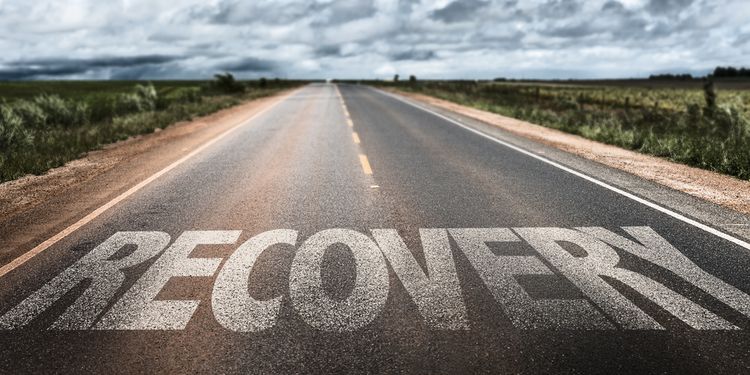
(715, 199)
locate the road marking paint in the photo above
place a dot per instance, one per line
(596, 181)
(374, 186)
(435, 289)
(364, 303)
(346, 110)
(362, 158)
(15, 263)
(365, 164)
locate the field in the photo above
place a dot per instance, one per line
(44, 124)
(687, 122)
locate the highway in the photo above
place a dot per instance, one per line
(344, 229)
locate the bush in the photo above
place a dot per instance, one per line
(13, 136)
(184, 95)
(58, 111)
(142, 99)
(102, 108)
(148, 96)
(80, 114)
(129, 103)
(31, 114)
(226, 83)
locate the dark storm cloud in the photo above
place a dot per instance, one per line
(661, 7)
(237, 12)
(100, 62)
(145, 72)
(343, 11)
(613, 6)
(560, 8)
(414, 55)
(52, 67)
(572, 31)
(327, 50)
(459, 10)
(19, 72)
(248, 64)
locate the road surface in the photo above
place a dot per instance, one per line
(346, 230)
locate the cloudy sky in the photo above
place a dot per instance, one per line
(151, 39)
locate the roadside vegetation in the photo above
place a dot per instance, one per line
(697, 122)
(46, 124)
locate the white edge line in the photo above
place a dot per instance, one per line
(655, 206)
(17, 262)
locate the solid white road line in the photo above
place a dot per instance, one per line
(603, 184)
(15, 263)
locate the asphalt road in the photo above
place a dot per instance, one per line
(309, 240)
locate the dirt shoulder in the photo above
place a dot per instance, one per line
(714, 187)
(86, 183)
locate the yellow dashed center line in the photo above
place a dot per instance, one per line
(365, 164)
(355, 137)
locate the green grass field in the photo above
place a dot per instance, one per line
(676, 120)
(44, 124)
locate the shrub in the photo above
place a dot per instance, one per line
(226, 83)
(80, 114)
(13, 136)
(31, 114)
(102, 107)
(129, 103)
(148, 96)
(184, 95)
(58, 111)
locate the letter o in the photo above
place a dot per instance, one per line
(370, 287)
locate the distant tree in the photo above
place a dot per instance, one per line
(413, 79)
(395, 78)
(226, 83)
(500, 79)
(262, 82)
(670, 77)
(730, 72)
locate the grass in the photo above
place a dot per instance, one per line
(677, 122)
(43, 125)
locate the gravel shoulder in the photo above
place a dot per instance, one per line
(714, 187)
